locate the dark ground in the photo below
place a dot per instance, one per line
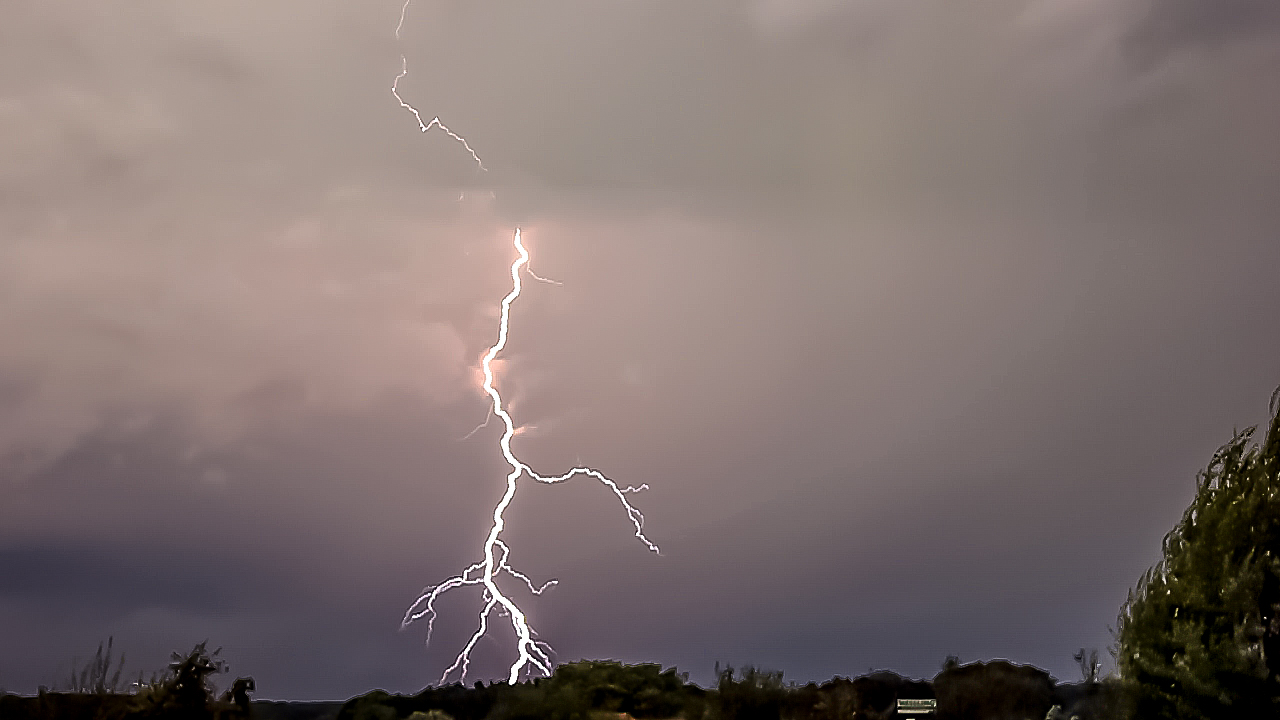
(591, 690)
(284, 710)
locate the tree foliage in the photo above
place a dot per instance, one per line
(753, 695)
(187, 691)
(1199, 635)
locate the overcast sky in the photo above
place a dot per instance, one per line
(918, 319)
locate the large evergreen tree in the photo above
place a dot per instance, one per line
(1199, 636)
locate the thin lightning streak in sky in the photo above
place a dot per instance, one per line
(435, 121)
(539, 278)
(532, 653)
(487, 417)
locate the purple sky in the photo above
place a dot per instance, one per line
(917, 318)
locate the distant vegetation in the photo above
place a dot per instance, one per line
(599, 690)
(1197, 639)
(184, 692)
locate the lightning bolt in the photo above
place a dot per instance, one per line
(532, 654)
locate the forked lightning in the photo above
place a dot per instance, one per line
(532, 654)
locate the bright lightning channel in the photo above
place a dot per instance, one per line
(531, 653)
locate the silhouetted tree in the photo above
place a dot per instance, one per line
(1199, 635)
(187, 689)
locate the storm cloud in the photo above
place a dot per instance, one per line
(917, 318)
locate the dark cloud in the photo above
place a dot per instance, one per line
(119, 579)
(1166, 26)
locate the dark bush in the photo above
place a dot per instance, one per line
(187, 691)
(1101, 700)
(996, 690)
(751, 695)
